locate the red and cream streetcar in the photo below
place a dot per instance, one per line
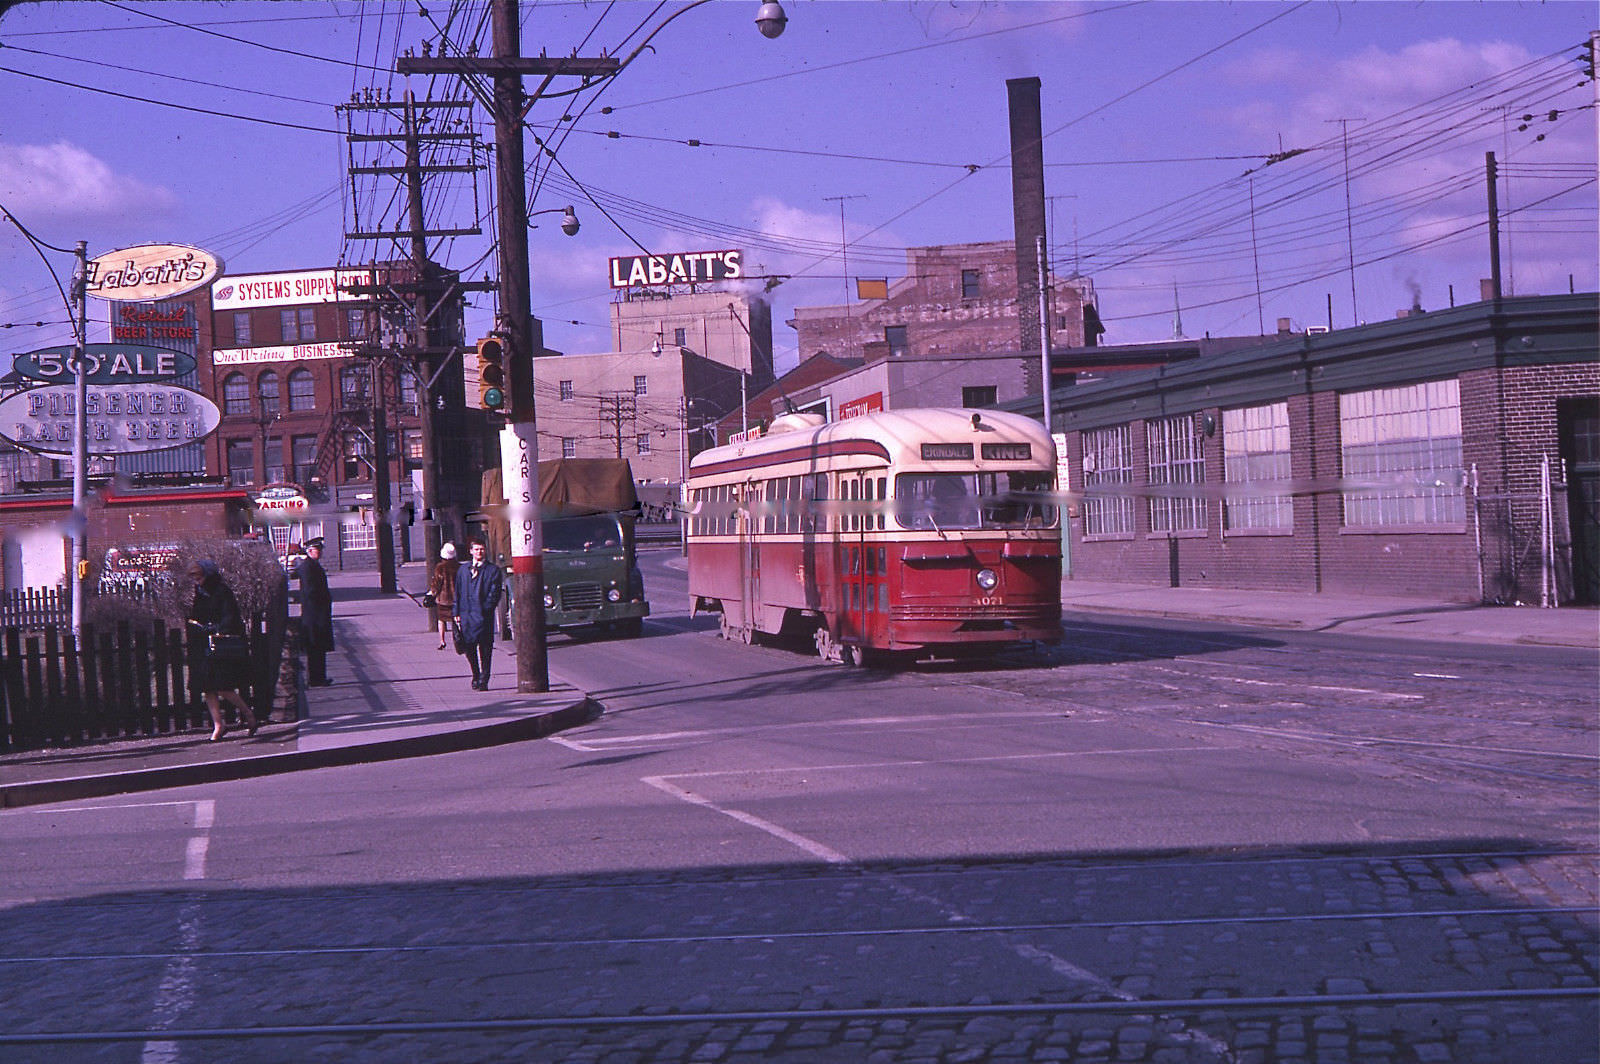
(920, 531)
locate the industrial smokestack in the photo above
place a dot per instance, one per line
(1027, 205)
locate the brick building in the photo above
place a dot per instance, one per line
(955, 299)
(287, 358)
(1415, 450)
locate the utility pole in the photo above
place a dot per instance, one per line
(80, 432)
(616, 408)
(519, 448)
(421, 301)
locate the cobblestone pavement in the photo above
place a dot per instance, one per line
(1283, 957)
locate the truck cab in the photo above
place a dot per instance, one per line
(591, 574)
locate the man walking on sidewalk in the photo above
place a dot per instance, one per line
(478, 588)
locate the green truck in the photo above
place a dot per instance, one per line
(587, 508)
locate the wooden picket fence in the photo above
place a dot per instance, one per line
(127, 682)
(34, 607)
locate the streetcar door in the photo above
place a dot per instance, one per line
(874, 611)
(749, 557)
(854, 623)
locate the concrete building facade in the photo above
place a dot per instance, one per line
(955, 299)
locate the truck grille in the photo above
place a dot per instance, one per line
(582, 596)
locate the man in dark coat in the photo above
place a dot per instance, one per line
(478, 588)
(316, 614)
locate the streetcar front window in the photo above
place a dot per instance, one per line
(948, 501)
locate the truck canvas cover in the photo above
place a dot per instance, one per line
(568, 487)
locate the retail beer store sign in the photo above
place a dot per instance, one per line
(119, 418)
(689, 267)
(150, 272)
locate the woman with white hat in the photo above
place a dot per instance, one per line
(443, 588)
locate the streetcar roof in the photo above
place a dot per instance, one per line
(890, 436)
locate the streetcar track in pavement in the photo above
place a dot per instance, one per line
(1138, 1006)
(777, 936)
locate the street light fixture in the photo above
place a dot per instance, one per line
(569, 219)
(771, 20)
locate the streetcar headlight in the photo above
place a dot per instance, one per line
(549, 602)
(987, 580)
(614, 595)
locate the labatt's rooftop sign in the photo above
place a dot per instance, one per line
(150, 272)
(690, 267)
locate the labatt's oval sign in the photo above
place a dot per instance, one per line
(150, 271)
(120, 418)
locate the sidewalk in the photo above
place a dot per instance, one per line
(1379, 615)
(394, 695)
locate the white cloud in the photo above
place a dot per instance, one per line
(62, 181)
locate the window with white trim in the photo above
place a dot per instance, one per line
(357, 535)
(569, 447)
(1176, 458)
(640, 384)
(566, 391)
(641, 443)
(1410, 436)
(1255, 450)
(1108, 466)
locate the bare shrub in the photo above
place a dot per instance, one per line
(248, 566)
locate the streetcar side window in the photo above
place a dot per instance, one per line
(883, 493)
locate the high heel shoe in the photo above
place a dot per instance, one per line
(218, 732)
(251, 728)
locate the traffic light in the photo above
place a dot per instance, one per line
(492, 373)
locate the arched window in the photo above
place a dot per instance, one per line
(267, 392)
(302, 390)
(235, 394)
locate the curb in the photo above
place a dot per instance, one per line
(535, 726)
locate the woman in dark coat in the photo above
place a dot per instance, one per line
(478, 588)
(216, 612)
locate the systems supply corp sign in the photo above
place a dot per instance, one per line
(120, 418)
(287, 289)
(150, 272)
(690, 267)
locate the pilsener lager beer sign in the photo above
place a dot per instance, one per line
(121, 418)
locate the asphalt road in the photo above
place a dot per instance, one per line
(1149, 844)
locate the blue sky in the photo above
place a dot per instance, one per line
(1160, 121)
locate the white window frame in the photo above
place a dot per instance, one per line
(641, 385)
(569, 447)
(1176, 456)
(1108, 463)
(1410, 435)
(566, 391)
(641, 443)
(357, 535)
(1256, 450)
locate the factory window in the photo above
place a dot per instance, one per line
(1107, 464)
(642, 443)
(680, 337)
(639, 384)
(566, 391)
(1176, 458)
(355, 323)
(241, 329)
(569, 447)
(1410, 434)
(241, 457)
(1255, 449)
(969, 284)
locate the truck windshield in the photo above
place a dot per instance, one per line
(946, 501)
(576, 534)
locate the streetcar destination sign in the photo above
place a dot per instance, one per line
(150, 272)
(120, 418)
(104, 364)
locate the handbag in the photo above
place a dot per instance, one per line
(226, 647)
(428, 601)
(460, 640)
